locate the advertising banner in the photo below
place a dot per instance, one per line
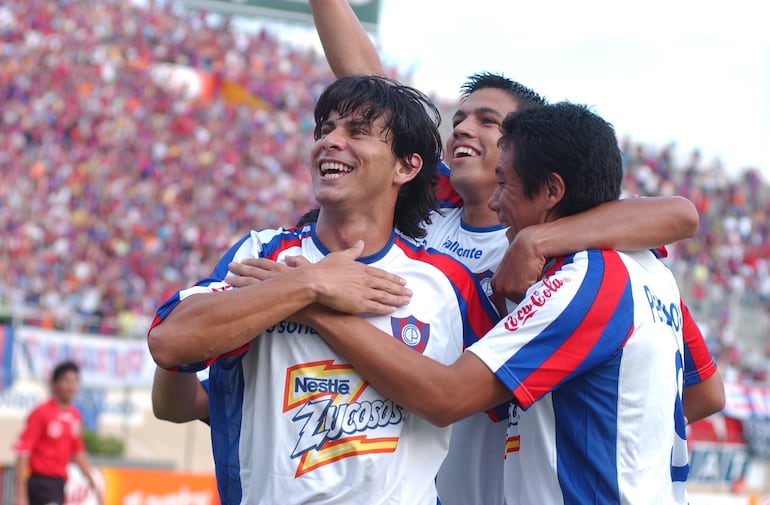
(747, 401)
(105, 362)
(6, 356)
(138, 486)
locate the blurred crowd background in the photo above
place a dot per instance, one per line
(138, 142)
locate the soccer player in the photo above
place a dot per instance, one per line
(592, 357)
(291, 422)
(52, 437)
(468, 230)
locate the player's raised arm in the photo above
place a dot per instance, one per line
(347, 46)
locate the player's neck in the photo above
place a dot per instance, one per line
(479, 215)
(61, 404)
(342, 232)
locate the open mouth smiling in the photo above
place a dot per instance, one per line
(464, 152)
(334, 169)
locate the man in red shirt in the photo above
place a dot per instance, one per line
(51, 439)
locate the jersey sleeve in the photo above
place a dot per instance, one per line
(32, 433)
(446, 194)
(571, 320)
(699, 364)
(203, 378)
(245, 247)
(78, 444)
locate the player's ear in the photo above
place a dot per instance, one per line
(405, 172)
(554, 189)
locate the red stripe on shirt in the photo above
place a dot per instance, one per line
(581, 342)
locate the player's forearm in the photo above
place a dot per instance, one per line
(22, 474)
(178, 397)
(430, 389)
(210, 324)
(347, 46)
(81, 460)
(397, 372)
(629, 224)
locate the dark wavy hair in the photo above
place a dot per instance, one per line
(570, 140)
(411, 122)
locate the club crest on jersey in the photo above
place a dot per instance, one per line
(485, 280)
(411, 331)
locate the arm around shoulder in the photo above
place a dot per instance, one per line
(207, 325)
(630, 224)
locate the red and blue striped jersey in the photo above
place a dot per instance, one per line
(593, 356)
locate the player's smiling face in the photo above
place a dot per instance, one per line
(352, 160)
(510, 201)
(472, 151)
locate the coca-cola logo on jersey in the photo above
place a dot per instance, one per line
(537, 298)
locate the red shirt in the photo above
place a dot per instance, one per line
(52, 436)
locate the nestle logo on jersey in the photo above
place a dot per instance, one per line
(528, 308)
(315, 385)
(332, 419)
(462, 252)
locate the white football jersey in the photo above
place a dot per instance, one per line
(293, 422)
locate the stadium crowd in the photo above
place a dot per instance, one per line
(118, 185)
(117, 189)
